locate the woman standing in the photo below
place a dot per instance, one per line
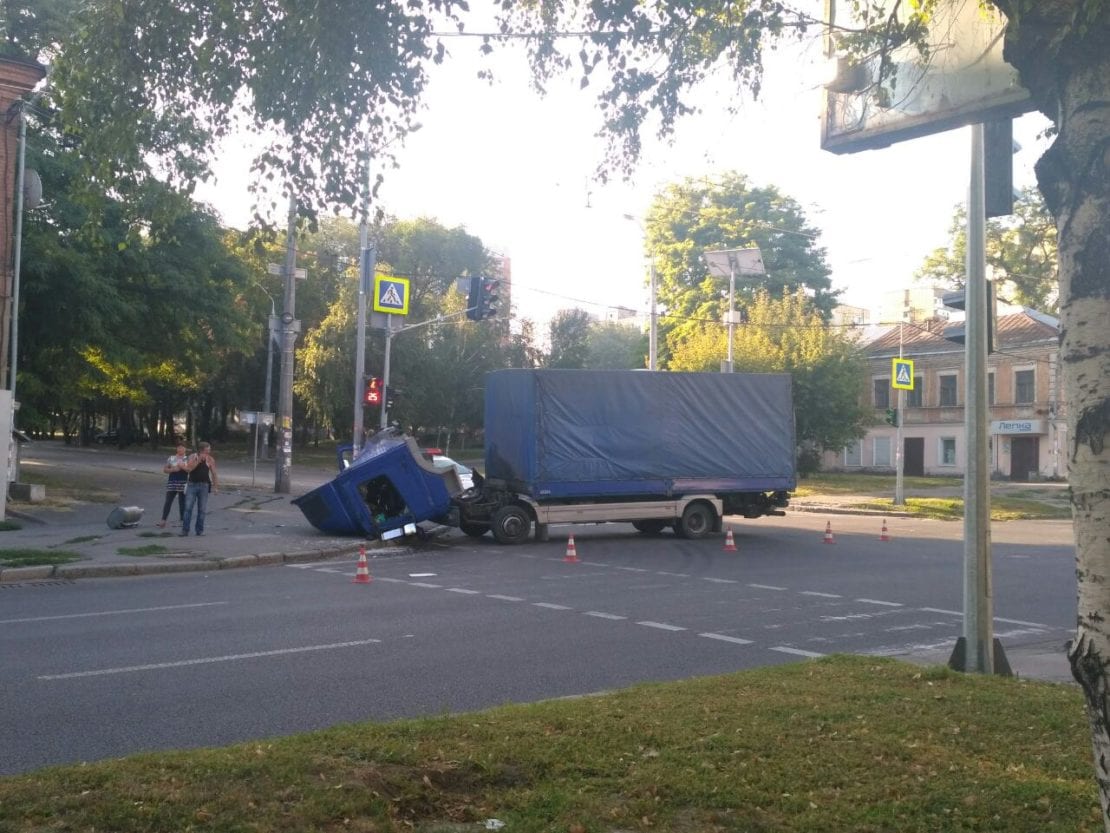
(175, 484)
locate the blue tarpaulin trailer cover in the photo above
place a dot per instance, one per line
(603, 433)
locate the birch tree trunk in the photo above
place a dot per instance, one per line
(1061, 49)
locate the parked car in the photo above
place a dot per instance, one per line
(466, 474)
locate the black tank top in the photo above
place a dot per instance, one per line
(200, 473)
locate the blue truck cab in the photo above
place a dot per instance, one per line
(383, 492)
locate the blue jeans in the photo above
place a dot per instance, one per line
(196, 494)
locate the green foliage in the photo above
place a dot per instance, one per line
(1021, 254)
(151, 86)
(788, 335)
(569, 331)
(694, 216)
(35, 558)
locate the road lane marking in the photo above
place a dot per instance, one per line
(1019, 622)
(600, 615)
(766, 587)
(157, 666)
(798, 652)
(720, 580)
(879, 602)
(427, 584)
(633, 569)
(942, 610)
(663, 626)
(676, 575)
(822, 595)
(504, 598)
(723, 638)
(108, 613)
(391, 580)
(551, 606)
(464, 590)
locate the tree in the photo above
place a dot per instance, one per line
(611, 345)
(569, 331)
(788, 335)
(695, 216)
(1021, 251)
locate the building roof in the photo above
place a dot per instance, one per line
(1027, 328)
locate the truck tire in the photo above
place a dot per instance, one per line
(697, 521)
(652, 527)
(474, 530)
(511, 525)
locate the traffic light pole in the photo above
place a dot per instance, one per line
(899, 457)
(283, 458)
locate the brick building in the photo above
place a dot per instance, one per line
(1027, 421)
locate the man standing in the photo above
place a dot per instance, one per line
(202, 480)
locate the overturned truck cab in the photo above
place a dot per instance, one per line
(384, 492)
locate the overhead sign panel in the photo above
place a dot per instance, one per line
(962, 80)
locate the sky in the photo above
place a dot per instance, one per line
(517, 170)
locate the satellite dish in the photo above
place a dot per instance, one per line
(32, 189)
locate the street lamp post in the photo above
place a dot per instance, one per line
(653, 316)
(283, 458)
(729, 263)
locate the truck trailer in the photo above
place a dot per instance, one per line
(656, 449)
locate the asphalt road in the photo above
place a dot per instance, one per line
(102, 668)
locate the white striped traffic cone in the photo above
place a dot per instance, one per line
(362, 572)
(730, 542)
(828, 533)
(572, 554)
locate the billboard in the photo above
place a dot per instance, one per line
(902, 94)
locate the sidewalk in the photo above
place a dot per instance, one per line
(246, 525)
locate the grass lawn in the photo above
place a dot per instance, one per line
(838, 745)
(35, 558)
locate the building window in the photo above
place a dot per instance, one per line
(853, 455)
(1024, 393)
(948, 451)
(916, 398)
(882, 392)
(882, 451)
(947, 391)
(990, 387)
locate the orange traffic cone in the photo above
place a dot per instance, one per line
(362, 572)
(884, 536)
(572, 554)
(730, 543)
(828, 533)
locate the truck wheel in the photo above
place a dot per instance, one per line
(697, 521)
(653, 527)
(474, 530)
(511, 525)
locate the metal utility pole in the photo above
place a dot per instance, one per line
(384, 423)
(283, 458)
(899, 457)
(652, 330)
(365, 285)
(977, 650)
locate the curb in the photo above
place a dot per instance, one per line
(818, 509)
(76, 571)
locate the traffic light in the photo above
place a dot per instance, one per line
(373, 391)
(484, 299)
(892, 417)
(391, 395)
(474, 299)
(489, 299)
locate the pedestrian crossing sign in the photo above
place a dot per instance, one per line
(391, 295)
(901, 374)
